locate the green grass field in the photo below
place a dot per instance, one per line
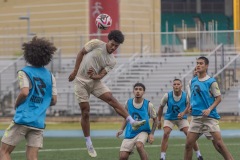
(108, 149)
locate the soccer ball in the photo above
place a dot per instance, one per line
(103, 21)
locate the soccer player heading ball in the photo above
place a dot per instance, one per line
(93, 62)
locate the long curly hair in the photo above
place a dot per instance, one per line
(38, 52)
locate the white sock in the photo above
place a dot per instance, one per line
(130, 119)
(88, 140)
(163, 155)
(198, 153)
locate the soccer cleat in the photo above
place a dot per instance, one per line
(161, 159)
(138, 124)
(200, 158)
(91, 151)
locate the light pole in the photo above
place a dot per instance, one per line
(27, 17)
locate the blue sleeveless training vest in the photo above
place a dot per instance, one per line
(137, 114)
(32, 111)
(201, 98)
(175, 107)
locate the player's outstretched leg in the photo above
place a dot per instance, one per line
(137, 124)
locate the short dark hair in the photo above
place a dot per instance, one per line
(38, 52)
(206, 61)
(176, 79)
(139, 85)
(116, 35)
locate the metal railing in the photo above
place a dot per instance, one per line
(179, 42)
(218, 51)
(208, 43)
(227, 76)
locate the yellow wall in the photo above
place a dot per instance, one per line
(52, 18)
(141, 16)
(236, 21)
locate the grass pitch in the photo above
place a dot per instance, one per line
(108, 149)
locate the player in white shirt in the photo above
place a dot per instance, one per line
(93, 62)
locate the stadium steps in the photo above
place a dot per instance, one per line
(230, 102)
(155, 72)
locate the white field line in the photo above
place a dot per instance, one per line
(107, 148)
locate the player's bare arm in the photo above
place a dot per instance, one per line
(154, 126)
(92, 74)
(120, 131)
(160, 113)
(53, 100)
(22, 96)
(206, 112)
(186, 111)
(77, 64)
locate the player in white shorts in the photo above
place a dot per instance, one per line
(140, 109)
(177, 102)
(93, 62)
(205, 96)
(37, 92)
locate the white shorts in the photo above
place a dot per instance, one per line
(129, 144)
(207, 135)
(15, 133)
(204, 125)
(179, 123)
(84, 87)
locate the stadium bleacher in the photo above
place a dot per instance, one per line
(155, 70)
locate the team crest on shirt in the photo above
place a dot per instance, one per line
(136, 116)
(196, 90)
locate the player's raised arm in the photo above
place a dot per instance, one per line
(77, 64)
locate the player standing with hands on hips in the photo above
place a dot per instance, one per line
(205, 96)
(37, 92)
(93, 62)
(140, 109)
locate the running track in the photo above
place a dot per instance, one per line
(112, 133)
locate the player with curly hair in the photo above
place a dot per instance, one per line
(37, 92)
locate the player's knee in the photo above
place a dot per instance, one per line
(85, 114)
(2, 153)
(5, 151)
(188, 146)
(139, 145)
(123, 156)
(110, 99)
(166, 135)
(219, 145)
